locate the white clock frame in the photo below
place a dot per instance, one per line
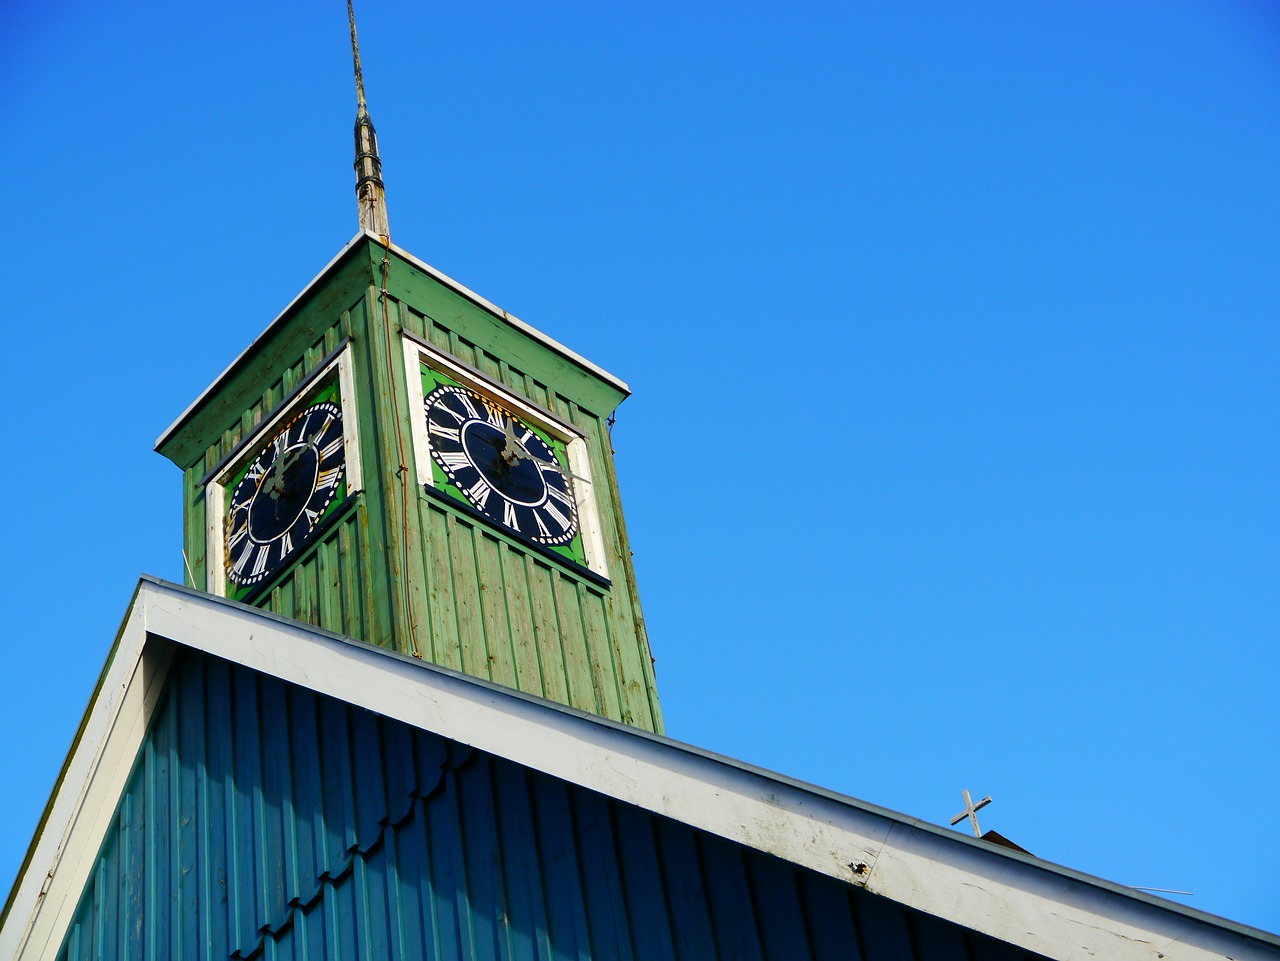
(417, 353)
(215, 491)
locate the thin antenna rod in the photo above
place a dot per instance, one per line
(370, 194)
(355, 55)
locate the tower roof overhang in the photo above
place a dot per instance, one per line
(351, 249)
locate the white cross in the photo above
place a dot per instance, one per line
(971, 812)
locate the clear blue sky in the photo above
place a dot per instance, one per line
(953, 455)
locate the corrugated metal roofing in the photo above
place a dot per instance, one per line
(927, 878)
(263, 820)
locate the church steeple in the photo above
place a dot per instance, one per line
(369, 190)
(398, 460)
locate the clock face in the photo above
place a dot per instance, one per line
(500, 465)
(274, 508)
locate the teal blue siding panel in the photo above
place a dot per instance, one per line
(264, 821)
(606, 912)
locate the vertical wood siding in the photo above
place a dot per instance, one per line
(500, 611)
(262, 820)
(437, 582)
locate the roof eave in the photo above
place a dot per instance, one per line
(985, 888)
(532, 332)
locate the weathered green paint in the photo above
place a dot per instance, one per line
(403, 568)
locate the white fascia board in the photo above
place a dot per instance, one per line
(549, 342)
(82, 808)
(1016, 898)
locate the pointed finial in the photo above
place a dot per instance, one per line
(369, 190)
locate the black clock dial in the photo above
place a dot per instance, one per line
(274, 509)
(500, 465)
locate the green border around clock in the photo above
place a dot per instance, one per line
(574, 550)
(328, 392)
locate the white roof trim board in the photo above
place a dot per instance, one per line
(1014, 897)
(549, 342)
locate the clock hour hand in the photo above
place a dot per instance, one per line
(512, 449)
(515, 451)
(281, 465)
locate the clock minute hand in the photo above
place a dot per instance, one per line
(282, 464)
(524, 453)
(514, 451)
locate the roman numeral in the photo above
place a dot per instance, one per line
(543, 529)
(286, 545)
(509, 515)
(454, 460)
(560, 518)
(236, 537)
(312, 516)
(330, 449)
(441, 406)
(479, 493)
(260, 563)
(328, 478)
(561, 495)
(442, 430)
(255, 471)
(469, 407)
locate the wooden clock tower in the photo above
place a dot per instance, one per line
(397, 460)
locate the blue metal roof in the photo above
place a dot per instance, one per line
(289, 771)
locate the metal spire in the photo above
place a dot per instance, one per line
(369, 190)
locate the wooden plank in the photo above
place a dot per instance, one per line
(493, 602)
(306, 604)
(624, 601)
(329, 587)
(574, 643)
(524, 641)
(606, 672)
(195, 535)
(350, 596)
(555, 684)
(466, 591)
(441, 609)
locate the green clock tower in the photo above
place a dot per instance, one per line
(400, 461)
